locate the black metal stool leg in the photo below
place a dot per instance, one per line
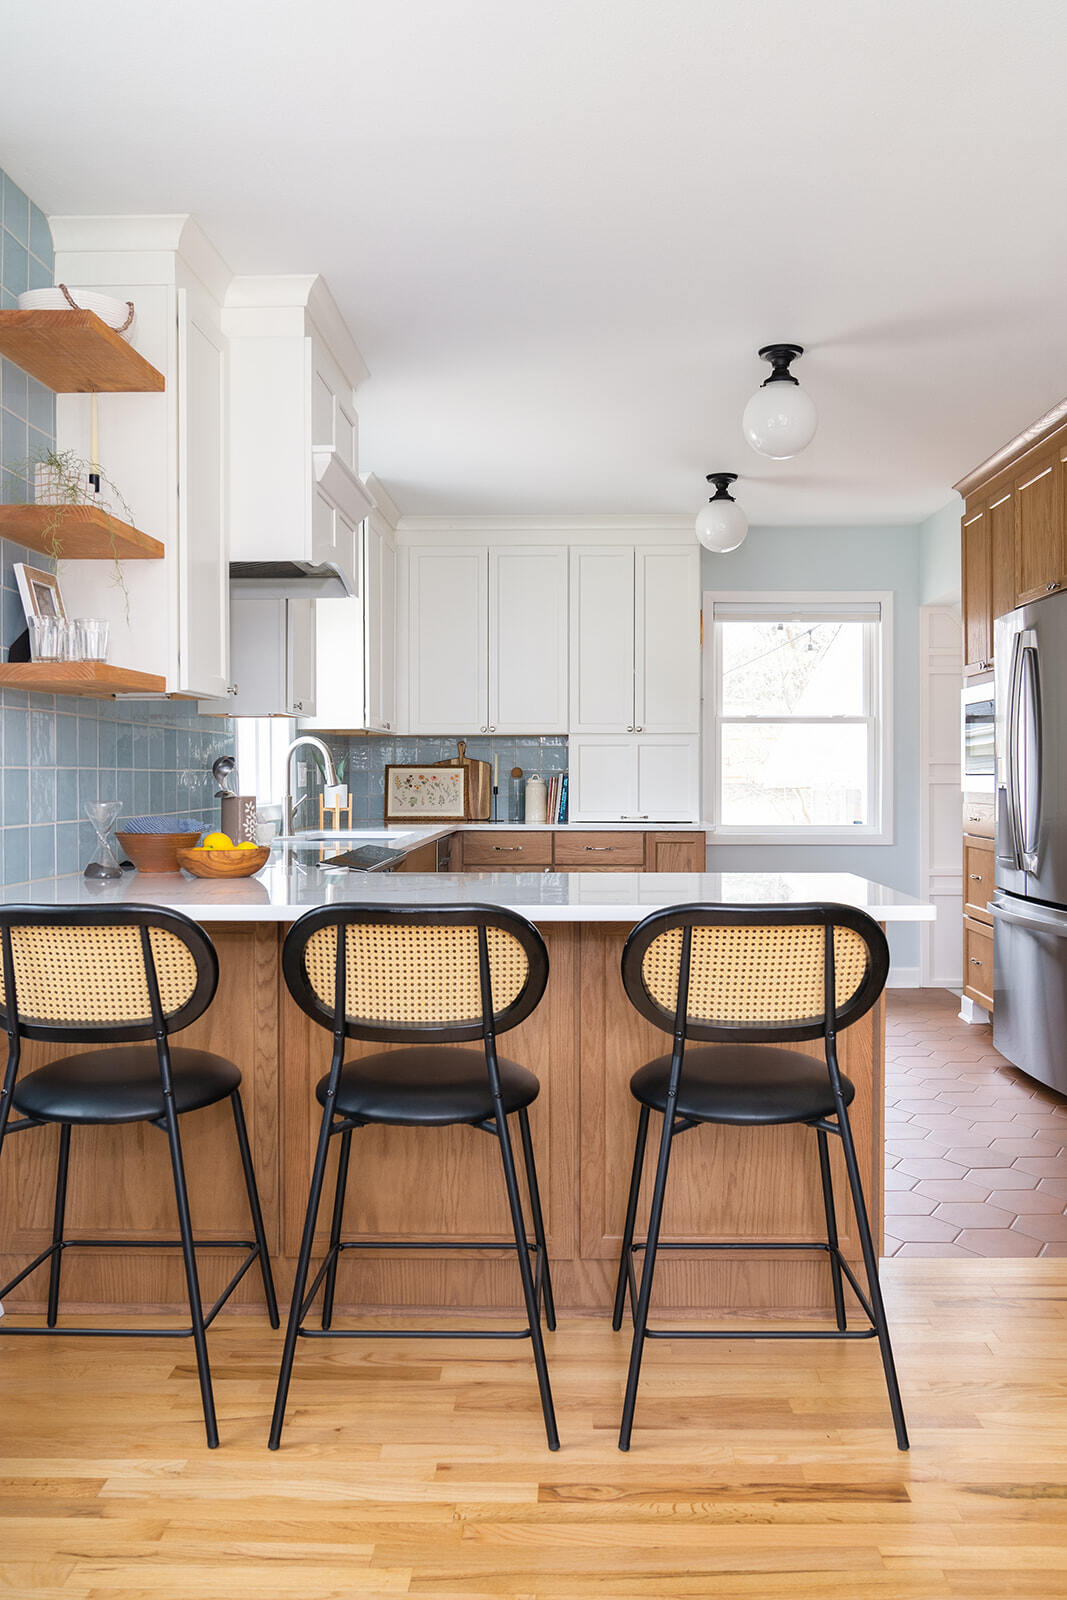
(644, 1296)
(254, 1207)
(538, 1219)
(55, 1265)
(625, 1260)
(303, 1266)
(831, 1231)
(518, 1222)
(335, 1226)
(871, 1266)
(192, 1279)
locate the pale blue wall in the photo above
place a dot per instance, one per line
(939, 556)
(824, 559)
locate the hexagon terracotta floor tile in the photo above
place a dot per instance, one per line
(976, 1152)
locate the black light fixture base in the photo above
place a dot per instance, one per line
(722, 482)
(779, 356)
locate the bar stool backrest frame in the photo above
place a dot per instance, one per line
(755, 974)
(102, 974)
(411, 974)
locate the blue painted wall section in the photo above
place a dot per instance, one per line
(57, 753)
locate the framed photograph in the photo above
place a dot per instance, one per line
(425, 794)
(39, 592)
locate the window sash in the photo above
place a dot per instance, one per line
(872, 614)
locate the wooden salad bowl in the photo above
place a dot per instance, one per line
(224, 863)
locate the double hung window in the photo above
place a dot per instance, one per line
(798, 732)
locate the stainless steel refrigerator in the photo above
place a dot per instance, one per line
(1030, 900)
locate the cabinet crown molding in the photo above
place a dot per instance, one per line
(280, 304)
(567, 530)
(147, 245)
(1037, 433)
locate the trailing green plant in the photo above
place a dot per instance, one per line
(70, 485)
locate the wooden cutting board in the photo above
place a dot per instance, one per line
(479, 783)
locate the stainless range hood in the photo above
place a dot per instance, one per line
(297, 579)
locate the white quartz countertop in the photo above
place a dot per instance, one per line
(293, 882)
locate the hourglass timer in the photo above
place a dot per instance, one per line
(103, 814)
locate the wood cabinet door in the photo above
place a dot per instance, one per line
(1038, 530)
(528, 639)
(448, 639)
(1002, 547)
(602, 639)
(675, 852)
(977, 552)
(977, 878)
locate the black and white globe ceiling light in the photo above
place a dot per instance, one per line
(780, 419)
(721, 525)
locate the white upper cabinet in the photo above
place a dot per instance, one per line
(167, 454)
(527, 639)
(621, 777)
(635, 639)
(486, 634)
(296, 498)
(355, 643)
(272, 656)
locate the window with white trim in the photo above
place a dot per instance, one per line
(261, 743)
(799, 726)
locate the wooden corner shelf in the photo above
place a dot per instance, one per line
(74, 352)
(95, 679)
(77, 533)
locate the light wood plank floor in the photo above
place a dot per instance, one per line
(760, 1471)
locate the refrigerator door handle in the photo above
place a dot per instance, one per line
(1028, 920)
(1011, 787)
(1029, 749)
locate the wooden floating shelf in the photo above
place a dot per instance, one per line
(74, 352)
(77, 533)
(96, 679)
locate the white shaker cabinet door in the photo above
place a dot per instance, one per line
(448, 639)
(380, 592)
(300, 664)
(667, 628)
(203, 548)
(668, 778)
(602, 779)
(602, 639)
(528, 639)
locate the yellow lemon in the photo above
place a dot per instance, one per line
(246, 844)
(217, 841)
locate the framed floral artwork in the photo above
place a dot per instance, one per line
(425, 794)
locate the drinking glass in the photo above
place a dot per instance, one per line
(103, 815)
(91, 638)
(46, 639)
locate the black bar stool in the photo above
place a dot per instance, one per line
(428, 977)
(96, 975)
(744, 979)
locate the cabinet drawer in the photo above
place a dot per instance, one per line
(507, 849)
(978, 962)
(599, 849)
(977, 879)
(978, 817)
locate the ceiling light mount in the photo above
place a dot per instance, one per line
(721, 525)
(780, 356)
(780, 419)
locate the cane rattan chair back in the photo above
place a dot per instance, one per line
(415, 974)
(756, 974)
(85, 975)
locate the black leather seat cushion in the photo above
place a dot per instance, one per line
(121, 1084)
(428, 1086)
(742, 1083)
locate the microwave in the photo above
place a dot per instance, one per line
(978, 754)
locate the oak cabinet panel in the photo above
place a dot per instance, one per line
(1038, 530)
(977, 554)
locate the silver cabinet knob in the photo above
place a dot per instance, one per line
(630, 728)
(298, 705)
(484, 728)
(975, 961)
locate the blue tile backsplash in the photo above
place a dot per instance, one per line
(365, 760)
(57, 754)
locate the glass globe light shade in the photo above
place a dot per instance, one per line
(721, 525)
(780, 419)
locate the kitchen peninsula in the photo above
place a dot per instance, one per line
(583, 1042)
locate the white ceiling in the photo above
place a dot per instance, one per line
(560, 229)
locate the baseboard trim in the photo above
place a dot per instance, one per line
(904, 978)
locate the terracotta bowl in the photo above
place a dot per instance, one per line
(154, 852)
(224, 863)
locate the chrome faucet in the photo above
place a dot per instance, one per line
(329, 770)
